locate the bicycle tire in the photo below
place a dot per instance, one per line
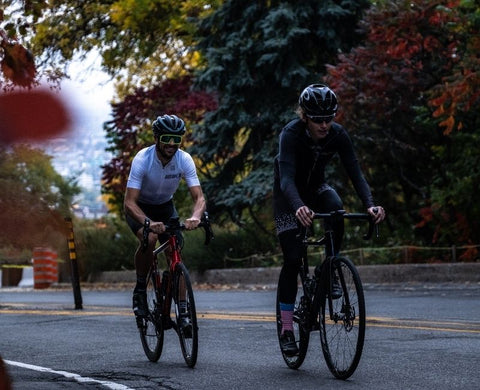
(183, 286)
(302, 335)
(343, 336)
(150, 327)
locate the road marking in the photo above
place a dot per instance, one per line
(262, 317)
(78, 378)
(378, 322)
(443, 326)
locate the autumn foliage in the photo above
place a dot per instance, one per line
(406, 78)
(410, 95)
(17, 64)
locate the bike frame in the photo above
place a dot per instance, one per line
(172, 286)
(338, 316)
(172, 243)
(314, 294)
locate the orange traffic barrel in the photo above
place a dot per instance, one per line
(45, 267)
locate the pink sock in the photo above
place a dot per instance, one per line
(287, 320)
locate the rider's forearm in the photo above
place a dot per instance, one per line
(199, 208)
(134, 211)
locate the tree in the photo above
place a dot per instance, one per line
(240, 45)
(151, 39)
(258, 57)
(140, 42)
(16, 61)
(451, 214)
(34, 198)
(386, 85)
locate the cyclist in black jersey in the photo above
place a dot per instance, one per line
(306, 146)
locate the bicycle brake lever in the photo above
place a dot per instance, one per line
(371, 226)
(208, 229)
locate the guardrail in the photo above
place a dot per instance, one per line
(401, 254)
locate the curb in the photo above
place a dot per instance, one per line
(374, 274)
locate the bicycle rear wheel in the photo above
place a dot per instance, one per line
(151, 329)
(186, 315)
(302, 334)
(342, 321)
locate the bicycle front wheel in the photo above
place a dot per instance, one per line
(342, 320)
(300, 331)
(150, 327)
(186, 315)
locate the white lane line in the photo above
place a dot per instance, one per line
(78, 378)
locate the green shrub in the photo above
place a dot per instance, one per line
(109, 245)
(106, 244)
(229, 242)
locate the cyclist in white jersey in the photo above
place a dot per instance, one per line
(154, 177)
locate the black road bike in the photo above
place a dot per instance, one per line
(340, 321)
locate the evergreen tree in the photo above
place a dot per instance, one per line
(259, 56)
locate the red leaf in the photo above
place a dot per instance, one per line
(18, 64)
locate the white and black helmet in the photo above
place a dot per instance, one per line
(318, 100)
(168, 124)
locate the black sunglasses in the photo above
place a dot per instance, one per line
(320, 119)
(166, 138)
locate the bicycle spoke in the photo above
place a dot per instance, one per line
(151, 330)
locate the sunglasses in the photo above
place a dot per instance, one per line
(321, 119)
(167, 138)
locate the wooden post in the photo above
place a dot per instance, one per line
(77, 294)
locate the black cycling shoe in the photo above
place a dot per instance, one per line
(140, 307)
(185, 326)
(336, 289)
(288, 344)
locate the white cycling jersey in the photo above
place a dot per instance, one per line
(158, 183)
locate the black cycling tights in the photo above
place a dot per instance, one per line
(292, 247)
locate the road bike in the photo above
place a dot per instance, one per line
(340, 320)
(171, 286)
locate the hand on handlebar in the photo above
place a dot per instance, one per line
(157, 227)
(191, 223)
(172, 226)
(305, 216)
(377, 213)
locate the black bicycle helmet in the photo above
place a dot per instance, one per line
(318, 100)
(168, 124)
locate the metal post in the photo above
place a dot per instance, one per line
(454, 253)
(77, 294)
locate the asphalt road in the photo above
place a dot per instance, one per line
(418, 337)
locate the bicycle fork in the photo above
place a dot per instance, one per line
(346, 311)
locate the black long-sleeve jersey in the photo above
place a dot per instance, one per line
(300, 165)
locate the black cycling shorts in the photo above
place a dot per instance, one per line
(158, 213)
